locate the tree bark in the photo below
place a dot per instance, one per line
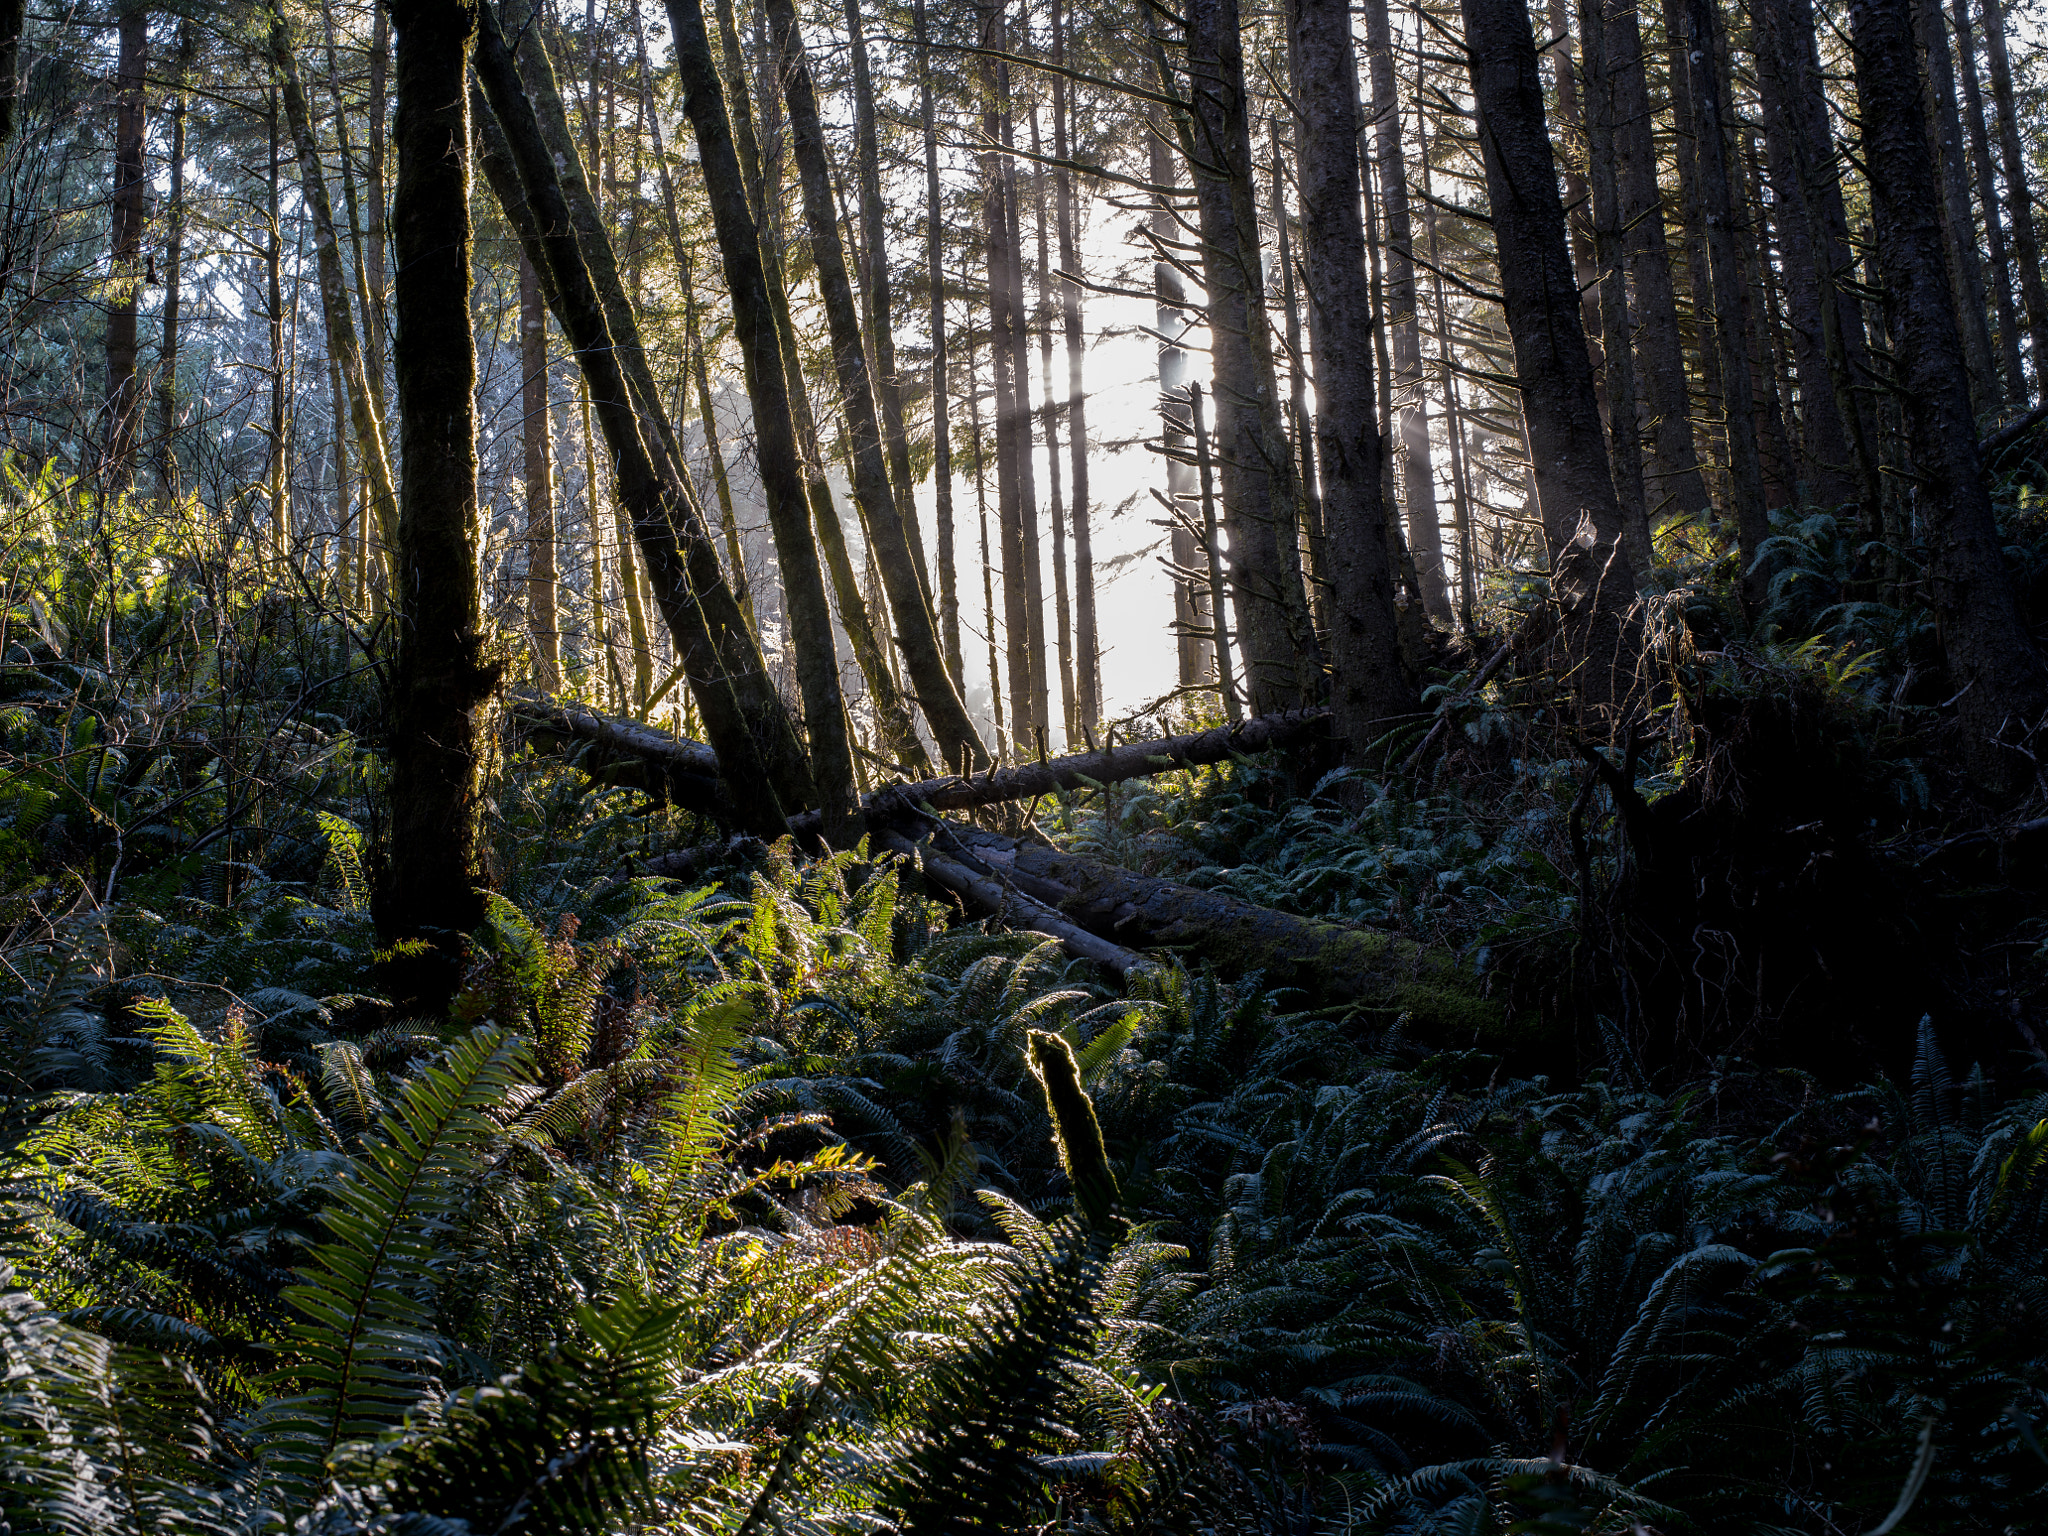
(1194, 625)
(727, 675)
(1066, 196)
(1418, 474)
(2002, 686)
(942, 435)
(1368, 684)
(1966, 268)
(2019, 199)
(916, 634)
(1330, 961)
(1578, 199)
(539, 450)
(1062, 607)
(434, 865)
(882, 311)
(1672, 477)
(1804, 170)
(1300, 421)
(1276, 640)
(1708, 123)
(777, 454)
(2010, 368)
(130, 205)
(334, 299)
(1610, 249)
(13, 22)
(1591, 582)
(174, 264)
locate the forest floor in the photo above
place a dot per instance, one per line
(753, 1197)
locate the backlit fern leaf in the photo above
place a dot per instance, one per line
(363, 1344)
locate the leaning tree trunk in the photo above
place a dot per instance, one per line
(130, 205)
(726, 673)
(776, 451)
(433, 870)
(916, 634)
(1404, 319)
(1368, 684)
(1591, 581)
(2001, 684)
(880, 304)
(1277, 642)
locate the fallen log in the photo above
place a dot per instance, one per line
(693, 764)
(1332, 962)
(628, 753)
(1010, 906)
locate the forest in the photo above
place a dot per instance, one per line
(977, 766)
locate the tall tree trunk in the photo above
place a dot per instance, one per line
(434, 861)
(1570, 134)
(2019, 199)
(541, 625)
(1368, 684)
(1672, 477)
(174, 266)
(1418, 474)
(334, 300)
(1966, 269)
(1986, 180)
(1066, 198)
(1281, 660)
(1827, 465)
(942, 436)
(273, 265)
(1013, 446)
(1300, 423)
(1194, 625)
(344, 479)
(736, 565)
(777, 455)
(1591, 582)
(881, 304)
(130, 204)
(2001, 683)
(13, 22)
(723, 663)
(916, 634)
(1029, 559)
(1610, 249)
(1708, 122)
(1063, 613)
(1805, 175)
(988, 593)
(1711, 428)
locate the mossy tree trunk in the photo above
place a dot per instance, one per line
(433, 866)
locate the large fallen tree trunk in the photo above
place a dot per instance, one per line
(1330, 961)
(688, 762)
(1009, 905)
(627, 753)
